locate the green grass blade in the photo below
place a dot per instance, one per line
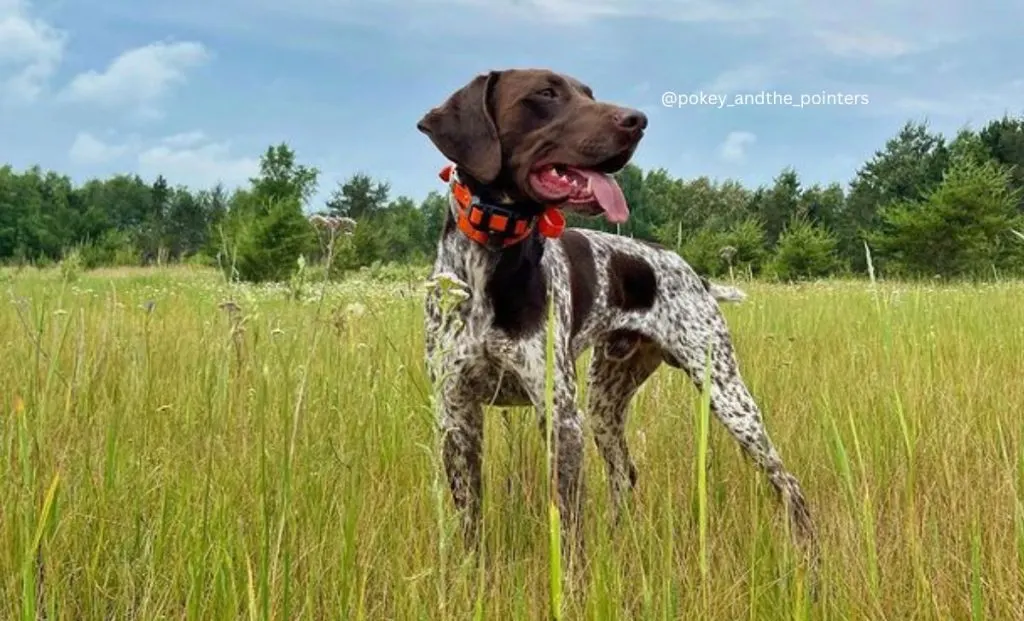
(554, 518)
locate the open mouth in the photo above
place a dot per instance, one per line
(589, 191)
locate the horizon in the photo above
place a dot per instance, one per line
(197, 93)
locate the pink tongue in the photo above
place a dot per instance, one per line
(608, 194)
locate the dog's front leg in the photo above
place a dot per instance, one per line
(567, 472)
(566, 438)
(566, 445)
(459, 415)
(461, 424)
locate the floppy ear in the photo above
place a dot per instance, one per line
(462, 128)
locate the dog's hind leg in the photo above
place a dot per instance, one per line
(622, 362)
(686, 346)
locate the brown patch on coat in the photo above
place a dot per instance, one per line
(632, 283)
(582, 277)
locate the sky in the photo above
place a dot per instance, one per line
(197, 90)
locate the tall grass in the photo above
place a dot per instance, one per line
(165, 455)
(551, 471)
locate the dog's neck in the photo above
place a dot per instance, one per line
(478, 264)
(491, 215)
(505, 281)
(505, 285)
(471, 250)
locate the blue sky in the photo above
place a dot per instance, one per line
(197, 90)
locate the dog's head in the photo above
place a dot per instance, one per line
(538, 138)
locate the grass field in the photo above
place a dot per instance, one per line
(169, 457)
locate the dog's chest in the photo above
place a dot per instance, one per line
(460, 279)
(486, 358)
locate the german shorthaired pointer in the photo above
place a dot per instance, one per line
(525, 144)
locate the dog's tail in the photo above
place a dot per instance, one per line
(724, 293)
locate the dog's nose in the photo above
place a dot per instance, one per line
(632, 120)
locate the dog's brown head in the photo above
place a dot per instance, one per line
(540, 138)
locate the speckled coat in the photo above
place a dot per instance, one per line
(637, 304)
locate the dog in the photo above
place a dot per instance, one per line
(525, 145)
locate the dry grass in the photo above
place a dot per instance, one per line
(164, 457)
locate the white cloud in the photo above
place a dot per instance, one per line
(742, 80)
(876, 30)
(564, 11)
(872, 31)
(953, 106)
(734, 148)
(579, 10)
(186, 139)
(200, 165)
(139, 77)
(30, 51)
(89, 150)
(189, 158)
(864, 44)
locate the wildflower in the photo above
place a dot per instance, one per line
(452, 290)
(347, 225)
(334, 223)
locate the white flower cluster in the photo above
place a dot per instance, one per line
(346, 226)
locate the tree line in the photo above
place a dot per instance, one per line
(922, 206)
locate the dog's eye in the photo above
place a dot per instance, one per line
(549, 93)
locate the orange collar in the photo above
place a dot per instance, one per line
(494, 226)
